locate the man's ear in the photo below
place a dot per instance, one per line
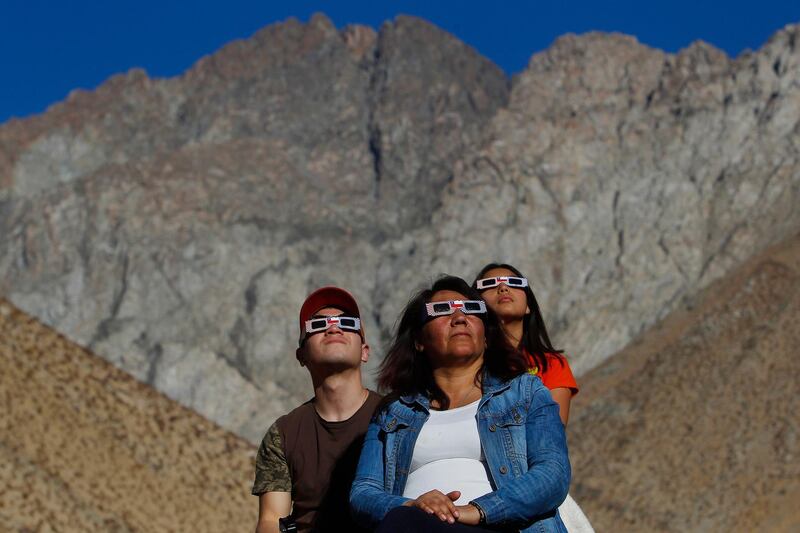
(299, 354)
(418, 347)
(364, 352)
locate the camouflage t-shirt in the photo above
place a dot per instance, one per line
(272, 472)
(315, 460)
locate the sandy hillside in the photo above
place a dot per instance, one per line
(695, 426)
(85, 447)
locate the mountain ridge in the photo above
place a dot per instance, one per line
(174, 230)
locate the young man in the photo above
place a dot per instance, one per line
(307, 460)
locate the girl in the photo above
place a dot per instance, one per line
(507, 292)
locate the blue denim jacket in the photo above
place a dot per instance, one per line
(522, 438)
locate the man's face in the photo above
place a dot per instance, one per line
(333, 346)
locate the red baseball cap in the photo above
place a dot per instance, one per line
(328, 297)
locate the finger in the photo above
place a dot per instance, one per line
(452, 497)
(445, 512)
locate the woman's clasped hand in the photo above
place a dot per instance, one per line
(441, 505)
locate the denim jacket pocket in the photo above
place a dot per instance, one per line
(394, 431)
(391, 424)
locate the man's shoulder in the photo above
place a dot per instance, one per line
(373, 399)
(297, 415)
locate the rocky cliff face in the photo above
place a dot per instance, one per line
(174, 226)
(623, 179)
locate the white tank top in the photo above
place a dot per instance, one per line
(447, 456)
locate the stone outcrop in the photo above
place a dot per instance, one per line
(693, 427)
(174, 226)
(85, 447)
(622, 180)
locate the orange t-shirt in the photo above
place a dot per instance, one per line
(558, 373)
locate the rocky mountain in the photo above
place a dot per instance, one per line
(85, 447)
(174, 226)
(693, 427)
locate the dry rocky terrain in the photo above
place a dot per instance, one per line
(86, 447)
(694, 427)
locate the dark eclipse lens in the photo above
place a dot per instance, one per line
(441, 308)
(347, 322)
(514, 281)
(472, 306)
(319, 323)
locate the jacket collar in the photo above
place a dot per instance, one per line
(418, 398)
(491, 385)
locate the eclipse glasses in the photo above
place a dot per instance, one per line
(468, 307)
(315, 325)
(509, 281)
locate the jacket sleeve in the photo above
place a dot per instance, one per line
(369, 501)
(541, 489)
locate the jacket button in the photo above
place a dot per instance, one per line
(492, 427)
(503, 469)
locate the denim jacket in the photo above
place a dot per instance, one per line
(523, 441)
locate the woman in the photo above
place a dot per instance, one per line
(456, 391)
(507, 292)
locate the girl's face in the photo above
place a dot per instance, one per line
(509, 304)
(452, 340)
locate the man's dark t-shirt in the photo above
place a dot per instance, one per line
(316, 461)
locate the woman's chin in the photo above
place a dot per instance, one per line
(464, 355)
(508, 315)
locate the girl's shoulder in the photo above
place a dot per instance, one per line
(527, 384)
(550, 356)
(556, 357)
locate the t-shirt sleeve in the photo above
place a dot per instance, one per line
(272, 470)
(559, 375)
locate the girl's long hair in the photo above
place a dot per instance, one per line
(408, 371)
(535, 339)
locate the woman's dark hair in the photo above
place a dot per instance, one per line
(408, 371)
(535, 339)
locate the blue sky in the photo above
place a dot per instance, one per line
(50, 48)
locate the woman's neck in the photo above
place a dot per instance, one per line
(513, 330)
(459, 384)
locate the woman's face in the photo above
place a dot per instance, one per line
(451, 340)
(509, 304)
